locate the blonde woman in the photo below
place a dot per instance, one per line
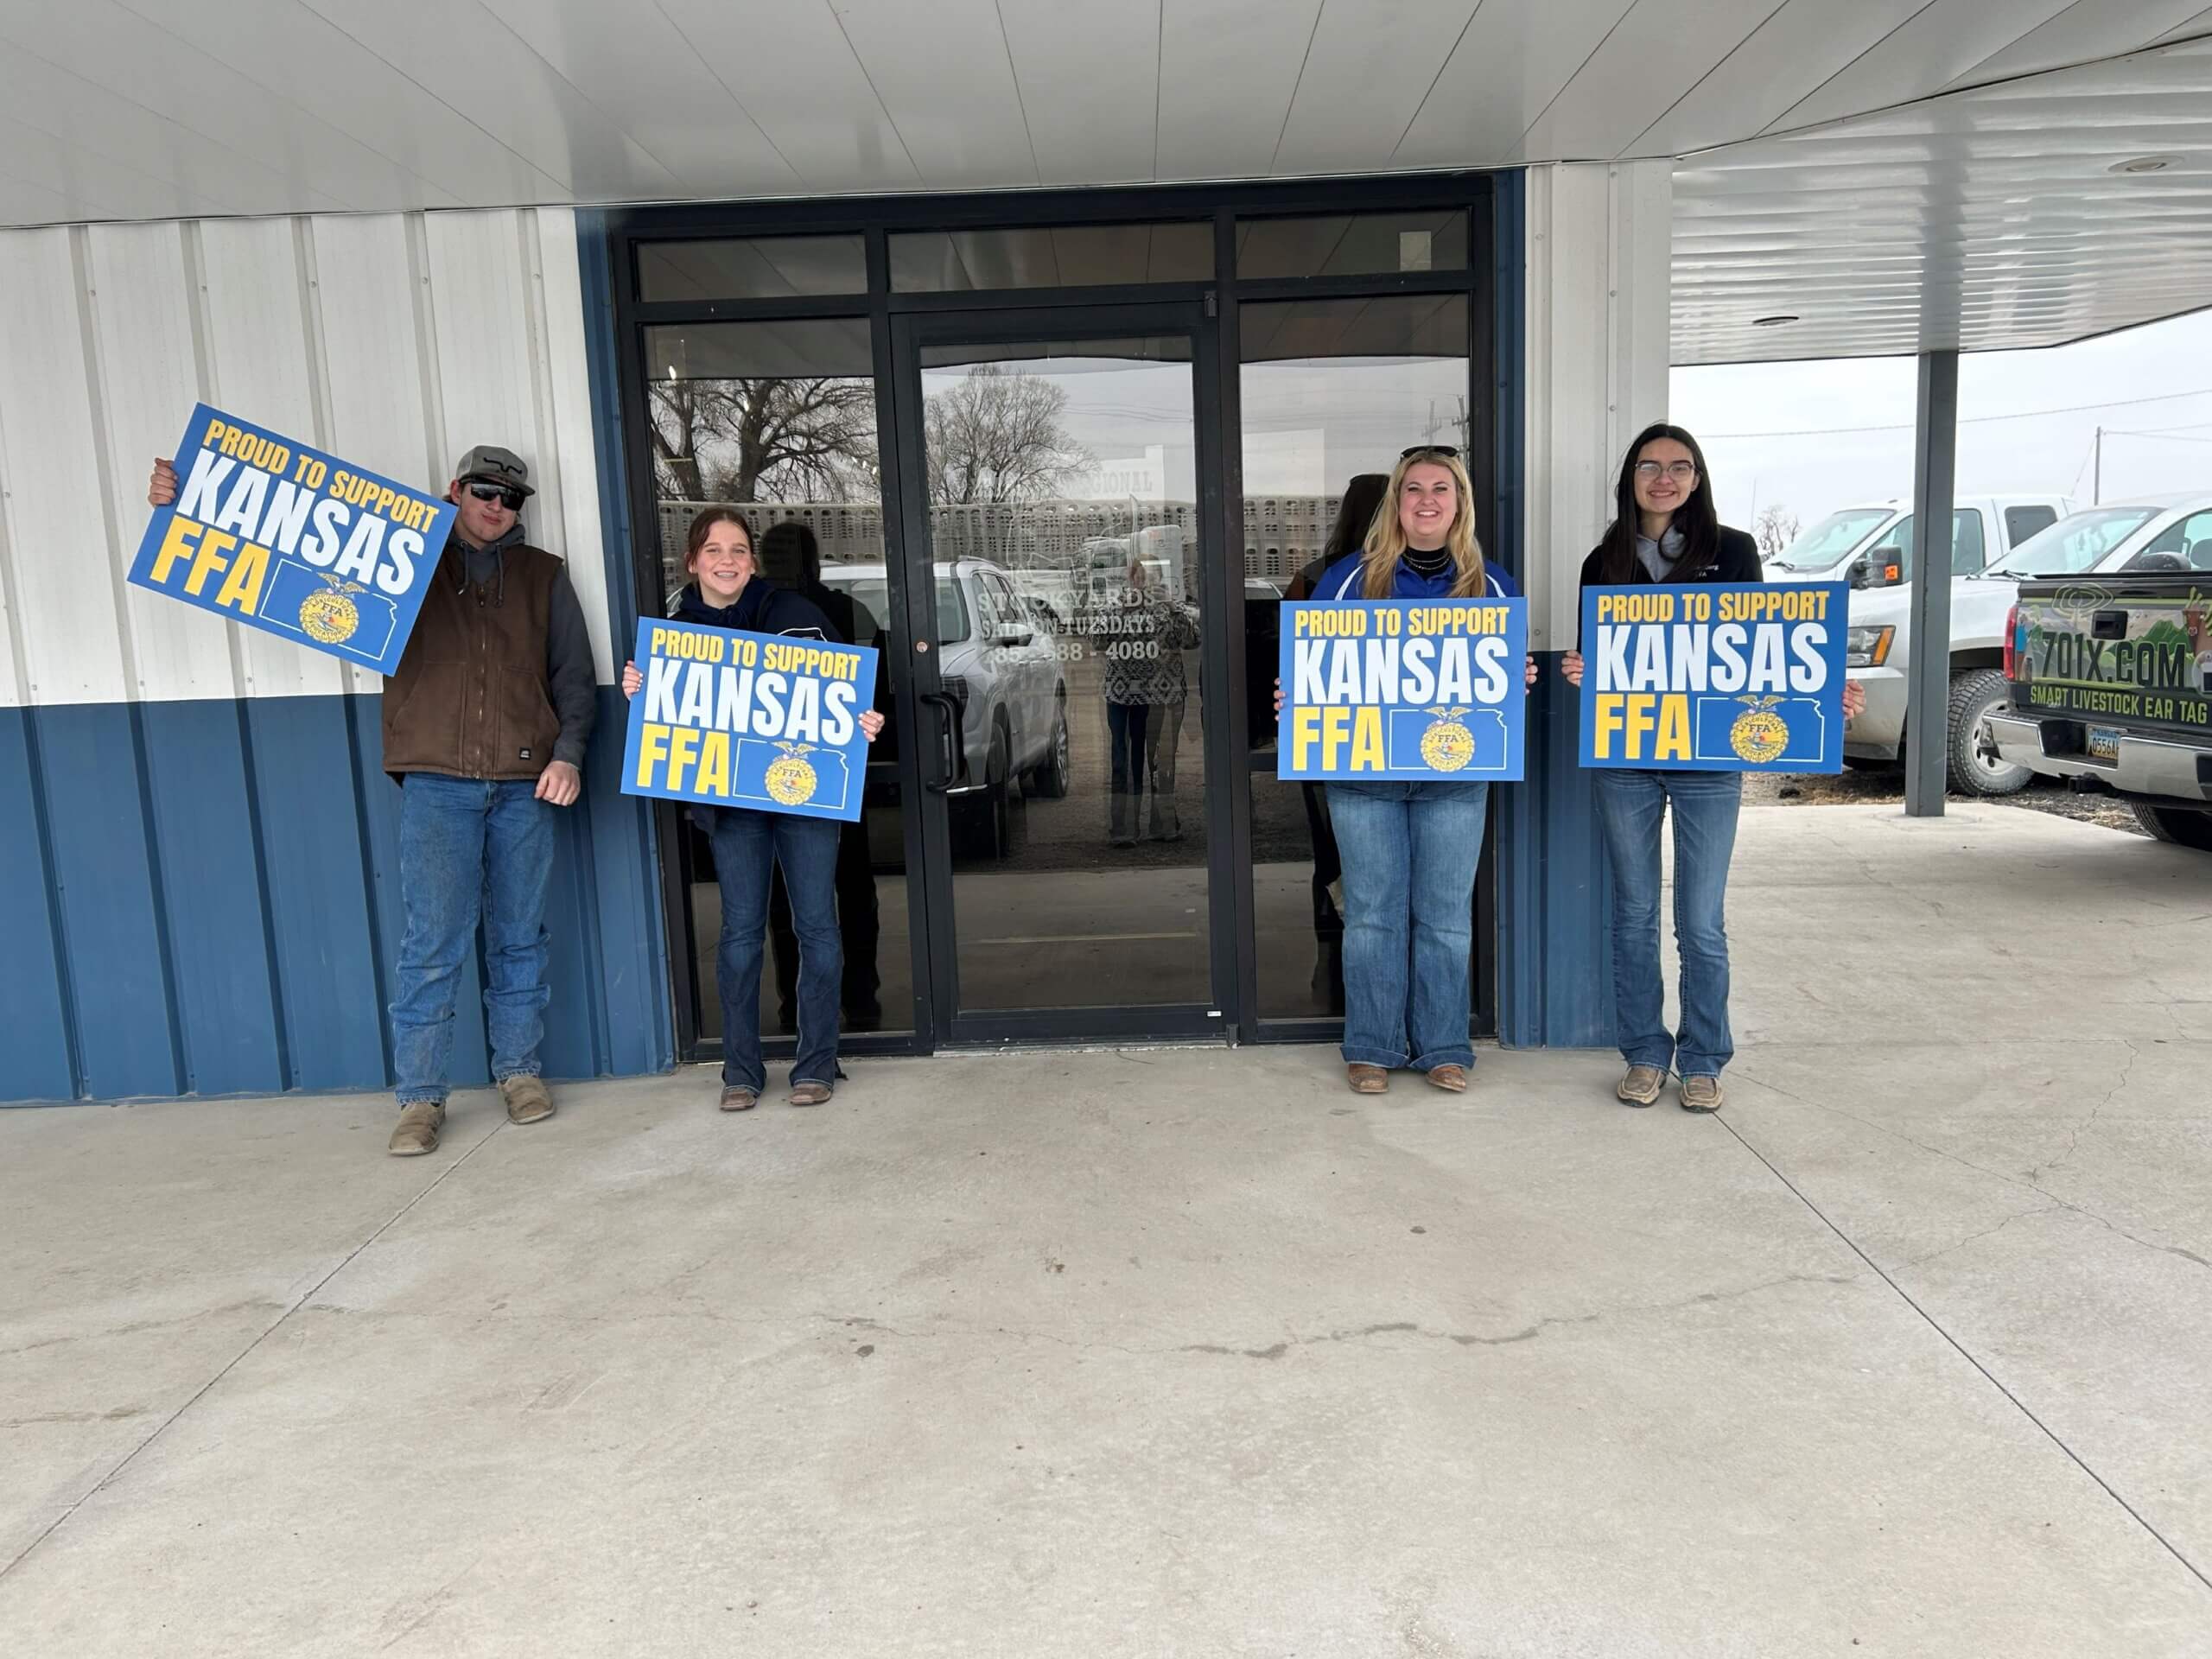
(1409, 849)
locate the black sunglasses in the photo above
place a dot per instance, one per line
(1443, 449)
(511, 499)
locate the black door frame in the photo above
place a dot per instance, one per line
(912, 332)
(1490, 381)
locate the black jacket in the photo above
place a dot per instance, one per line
(760, 608)
(1737, 559)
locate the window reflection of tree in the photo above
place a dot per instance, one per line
(995, 436)
(760, 439)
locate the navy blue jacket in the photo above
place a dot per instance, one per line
(1344, 580)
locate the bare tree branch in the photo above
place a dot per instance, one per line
(996, 436)
(756, 439)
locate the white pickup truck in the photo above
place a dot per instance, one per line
(1986, 530)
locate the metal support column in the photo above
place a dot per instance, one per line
(1927, 689)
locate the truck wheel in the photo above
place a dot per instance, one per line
(1048, 779)
(1974, 692)
(2185, 826)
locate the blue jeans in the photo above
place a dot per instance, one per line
(1125, 740)
(748, 846)
(1629, 807)
(1410, 852)
(469, 851)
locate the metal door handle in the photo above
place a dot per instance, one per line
(948, 720)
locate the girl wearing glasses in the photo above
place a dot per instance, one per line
(1409, 849)
(1665, 529)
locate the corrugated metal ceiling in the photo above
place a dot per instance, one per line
(146, 109)
(1988, 219)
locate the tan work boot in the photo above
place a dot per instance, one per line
(528, 1102)
(1700, 1094)
(739, 1099)
(417, 1133)
(810, 1093)
(1454, 1077)
(1366, 1079)
(1642, 1084)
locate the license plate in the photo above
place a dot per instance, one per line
(2104, 743)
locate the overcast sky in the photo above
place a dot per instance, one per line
(1768, 429)
(1813, 436)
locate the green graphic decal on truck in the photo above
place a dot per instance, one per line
(2086, 651)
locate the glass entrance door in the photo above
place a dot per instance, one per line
(1058, 584)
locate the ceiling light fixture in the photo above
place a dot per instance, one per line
(2144, 164)
(1771, 323)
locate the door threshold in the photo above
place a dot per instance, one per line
(1016, 1047)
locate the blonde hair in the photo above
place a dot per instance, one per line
(1386, 535)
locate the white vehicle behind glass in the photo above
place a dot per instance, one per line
(1006, 698)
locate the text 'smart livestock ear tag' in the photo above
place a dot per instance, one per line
(285, 538)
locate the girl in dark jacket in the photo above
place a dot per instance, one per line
(1665, 529)
(726, 591)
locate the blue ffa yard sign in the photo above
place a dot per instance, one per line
(295, 541)
(1402, 691)
(763, 720)
(1720, 677)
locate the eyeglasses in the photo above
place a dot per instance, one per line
(511, 499)
(1443, 449)
(1680, 471)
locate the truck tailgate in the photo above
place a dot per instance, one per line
(2133, 654)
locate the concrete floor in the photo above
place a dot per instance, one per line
(1193, 1353)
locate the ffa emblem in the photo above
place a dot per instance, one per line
(1447, 745)
(791, 781)
(1758, 735)
(328, 615)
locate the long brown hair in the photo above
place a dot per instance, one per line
(1386, 535)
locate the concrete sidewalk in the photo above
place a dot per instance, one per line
(1193, 1352)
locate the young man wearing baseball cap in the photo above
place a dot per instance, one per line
(484, 726)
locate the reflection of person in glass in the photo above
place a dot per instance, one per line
(726, 592)
(1409, 849)
(1364, 494)
(1142, 634)
(789, 555)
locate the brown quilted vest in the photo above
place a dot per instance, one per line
(469, 700)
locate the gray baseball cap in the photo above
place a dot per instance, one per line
(493, 465)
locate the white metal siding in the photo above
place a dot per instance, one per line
(1598, 273)
(395, 340)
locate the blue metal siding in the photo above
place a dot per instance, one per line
(325, 942)
(37, 1024)
(223, 876)
(206, 855)
(101, 867)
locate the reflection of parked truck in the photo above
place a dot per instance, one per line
(2109, 671)
(1107, 559)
